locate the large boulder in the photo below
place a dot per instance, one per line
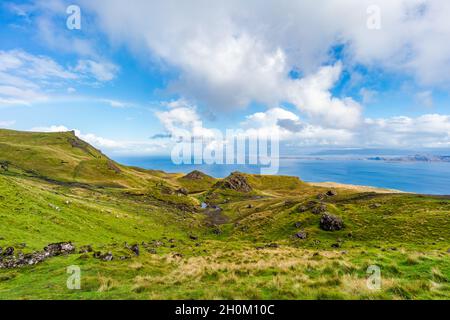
(329, 222)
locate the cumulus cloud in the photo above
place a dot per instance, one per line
(110, 145)
(429, 130)
(26, 78)
(247, 47)
(101, 71)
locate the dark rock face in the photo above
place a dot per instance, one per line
(135, 249)
(9, 251)
(329, 222)
(321, 208)
(331, 193)
(301, 235)
(236, 181)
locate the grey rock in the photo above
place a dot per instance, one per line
(329, 222)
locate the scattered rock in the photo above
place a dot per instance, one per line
(56, 249)
(135, 249)
(177, 255)
(331, 193)
(374, 205)
(192, 237)
(9, 261)
(301, 235)
(329, 222)
(321, 196)
(158, 243)
(85, 249)
(151, 250)
(250, 206)
(298, 224)
(9, 251)
(183, 191)
(321, 208)
(54, 207)
(103, 256)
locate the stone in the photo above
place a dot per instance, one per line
(192, 237)
(321, 208)
(183, 191)
(301, 235)
(374, 205)
(331, 193)
(298, 224)
(329, 222)
(56, 249)
(135, 249)
(9, 251)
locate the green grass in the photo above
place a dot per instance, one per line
(54, 192)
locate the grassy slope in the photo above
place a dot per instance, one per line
(407, 235)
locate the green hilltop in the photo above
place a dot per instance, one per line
(147, 234)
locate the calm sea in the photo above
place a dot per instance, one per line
(418, 177)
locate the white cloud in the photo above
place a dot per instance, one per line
(101, 71)
(110, 145)
(26, 79)
(312, 95)
(7, 124)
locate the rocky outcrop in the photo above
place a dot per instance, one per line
(195, 175)
(237, 182)
(329, 222)
(9, 261)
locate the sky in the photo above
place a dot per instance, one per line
(324, 74)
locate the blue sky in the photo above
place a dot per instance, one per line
(320, 74)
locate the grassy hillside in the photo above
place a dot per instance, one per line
(255, 237)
